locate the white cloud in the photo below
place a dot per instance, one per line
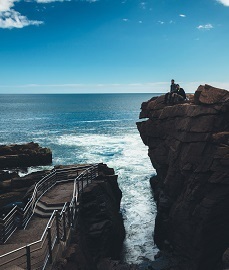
(224, 2)
(143, 5)
(13, 19)
(10, 18)
(135, 87)
(51, 1)
(6, 5)
(205, 26)
(161, 22)
(140, 21)
(182, 15)
(125, 20)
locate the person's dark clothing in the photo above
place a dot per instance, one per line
(181, 92)
(176, 96)
(173, 88)
(168, 97)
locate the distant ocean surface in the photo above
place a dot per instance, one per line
(92, 128)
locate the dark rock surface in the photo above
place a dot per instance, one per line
(189, 148)
(19, 189)
(100, 231)
(24, 155)
(15, 158)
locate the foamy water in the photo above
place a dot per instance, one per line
(128, 156)
(92, 129)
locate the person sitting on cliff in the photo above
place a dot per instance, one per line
(168, 96)
(179, 95)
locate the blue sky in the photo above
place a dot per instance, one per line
(82, 46)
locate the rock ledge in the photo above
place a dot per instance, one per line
(24, 155)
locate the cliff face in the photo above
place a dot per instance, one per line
(100, 230)
(189, 148)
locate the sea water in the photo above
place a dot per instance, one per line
(92, 128)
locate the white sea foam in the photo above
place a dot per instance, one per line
(34, 169)
(103, 120)
(128, 156)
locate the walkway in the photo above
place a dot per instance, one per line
(54, 198)
(60, 194)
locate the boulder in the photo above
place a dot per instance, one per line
(207, 94)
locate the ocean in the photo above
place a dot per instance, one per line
(92, 128)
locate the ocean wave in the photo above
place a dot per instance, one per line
(104, 120)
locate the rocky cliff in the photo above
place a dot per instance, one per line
(100, 232)
(189, 148)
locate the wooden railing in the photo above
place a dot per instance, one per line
(37, 254)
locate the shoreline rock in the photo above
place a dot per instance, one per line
(15, 158)
(24, 155)
(189, 148)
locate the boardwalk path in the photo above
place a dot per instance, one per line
(60, 193)
(57, 195)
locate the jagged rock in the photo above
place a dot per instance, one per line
(189, 148)
(25, 155)
(12, 187)
(208, 94)
(100, 230)
(100, 219)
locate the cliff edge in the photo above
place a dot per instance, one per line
(189, 148)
